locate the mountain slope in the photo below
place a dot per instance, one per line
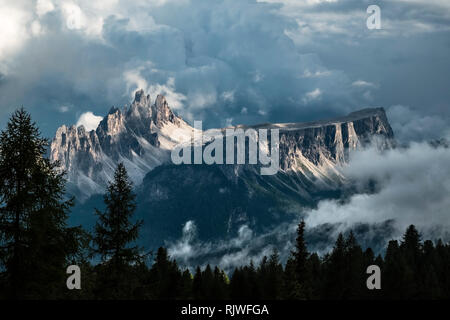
(142, 137)
(218, 198)
(139, 136)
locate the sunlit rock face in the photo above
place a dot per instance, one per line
(139, 136)
(320, 146)
(143, 135)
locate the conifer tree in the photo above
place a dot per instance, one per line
(335, 265)
(185, 290)
(237, 285)
(207, 283)
(411, 249)
(220, 284)
(115, 231)
(271, 277)
(315, 274)
(197, 284)
(355, 269)
(301, 256)
(301, 253)
(291, 287)
(411, 245)
(115, 234)
(165, 277)
(35, 242)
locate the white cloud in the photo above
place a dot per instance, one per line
(63, 108)
(184, 248)
(237, 251)
(199, 100)
(262, 112)
(413, 187)
(43, 7)
(316, 74)
(135, 81)
(89, 120)
(174, 99)
(312, 95)
(36, 28)
(362, 83)
(228, 95)
(13, 29)
(410, 125)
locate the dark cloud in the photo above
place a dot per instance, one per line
(226, 61)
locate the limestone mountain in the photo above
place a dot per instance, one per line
(220, 199)
(140, 136)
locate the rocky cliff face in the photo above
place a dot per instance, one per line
(317, 149)
(221, 199)
(142, 136)
(139, 136)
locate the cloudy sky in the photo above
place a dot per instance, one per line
(228, 61)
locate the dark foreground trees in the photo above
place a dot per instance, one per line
(115, 235)
(35, 243)
(36, 246)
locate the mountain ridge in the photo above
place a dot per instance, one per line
(143, 135)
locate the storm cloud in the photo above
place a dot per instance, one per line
(222, 61)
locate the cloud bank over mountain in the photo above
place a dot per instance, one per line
(411, 187)
(89, 120)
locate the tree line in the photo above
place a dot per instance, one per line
(37, 245)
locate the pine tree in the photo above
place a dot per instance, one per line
(301, 256)
(35, 242)
(429, 266)
(355, 269)
(335, 265)
(411, 245)
(411, 249)
(291, 287)
(207, 283)
(185, 289)
(115, 234)
(165, 277)
(220, 284)
(397, 275)
(197, 284)
(315, 273)
(301, 253)
(114, 230)
(271, 277)
(243, 283)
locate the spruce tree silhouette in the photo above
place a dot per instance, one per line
(301, 256)
(115, 233)
(36, 244)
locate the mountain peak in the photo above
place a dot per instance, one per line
(162, 112)
(140, 95)
(113, 110)
(160, 101)
(141, 99)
